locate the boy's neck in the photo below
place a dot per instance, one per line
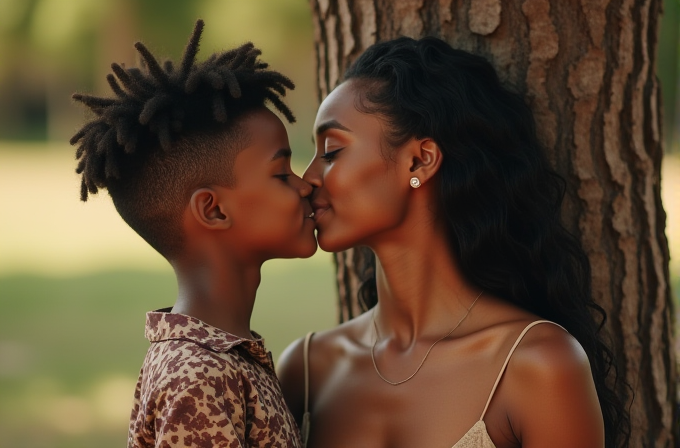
(220, 293)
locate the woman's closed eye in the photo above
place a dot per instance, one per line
(329, 156)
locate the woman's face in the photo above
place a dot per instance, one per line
(360, 189)
(269, 203)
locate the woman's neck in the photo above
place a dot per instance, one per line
(421, 290)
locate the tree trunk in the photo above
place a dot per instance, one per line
(587, 68)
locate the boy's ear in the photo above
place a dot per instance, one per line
(207, 209)
(425, 159)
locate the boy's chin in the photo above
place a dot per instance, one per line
(304, 250)
(309, 249)
(309, 253)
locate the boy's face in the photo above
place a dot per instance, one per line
(268, 204)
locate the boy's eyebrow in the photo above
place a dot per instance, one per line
(332, 124)
(285, 153)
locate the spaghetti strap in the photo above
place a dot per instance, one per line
(507, 359)
(304, 429)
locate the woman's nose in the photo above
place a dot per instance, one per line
(313, 174)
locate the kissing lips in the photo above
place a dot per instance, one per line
(319, 210)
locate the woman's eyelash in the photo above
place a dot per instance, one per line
(329, 156)
(283, 177)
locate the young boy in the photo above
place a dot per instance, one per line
(200, 168)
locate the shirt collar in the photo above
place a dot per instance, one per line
(162, 325)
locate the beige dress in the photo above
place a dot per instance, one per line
(476, 437)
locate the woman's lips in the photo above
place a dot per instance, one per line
(319, 210)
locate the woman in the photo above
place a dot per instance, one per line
(424, 157)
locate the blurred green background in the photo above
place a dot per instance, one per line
(75, 281)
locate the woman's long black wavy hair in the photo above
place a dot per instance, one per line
(499, 196)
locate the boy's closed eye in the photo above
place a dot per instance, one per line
(282, 156)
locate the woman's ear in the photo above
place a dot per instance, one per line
(207, 209)
(426, 158)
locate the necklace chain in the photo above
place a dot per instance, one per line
(377, 338)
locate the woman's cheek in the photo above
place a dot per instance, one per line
(344, 180)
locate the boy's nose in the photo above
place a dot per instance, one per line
(306, 188)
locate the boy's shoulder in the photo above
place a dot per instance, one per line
(191, 361)
(184, 345)
(198, 382)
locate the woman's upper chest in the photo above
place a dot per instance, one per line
(352, 406)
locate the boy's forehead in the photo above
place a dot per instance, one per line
(266, 138)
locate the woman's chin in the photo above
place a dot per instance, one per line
(331, 245)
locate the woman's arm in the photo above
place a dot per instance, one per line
(290, 370)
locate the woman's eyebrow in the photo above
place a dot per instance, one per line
(332, 124)
(285, 153)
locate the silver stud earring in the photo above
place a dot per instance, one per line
(415, 182)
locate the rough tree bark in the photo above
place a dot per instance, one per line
(587, 68)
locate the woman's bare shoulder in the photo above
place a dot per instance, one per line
(327, 344)
(325, 349)
(549, 385)
(547, 349)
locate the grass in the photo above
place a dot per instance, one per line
(71, 348)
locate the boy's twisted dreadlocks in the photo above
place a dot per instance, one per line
(167, 130)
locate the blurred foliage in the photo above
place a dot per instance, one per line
(668, 70)
(51, 48)
(62, 32)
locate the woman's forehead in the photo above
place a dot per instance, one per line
(339, 102)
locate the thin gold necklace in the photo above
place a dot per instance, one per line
(377, 338)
